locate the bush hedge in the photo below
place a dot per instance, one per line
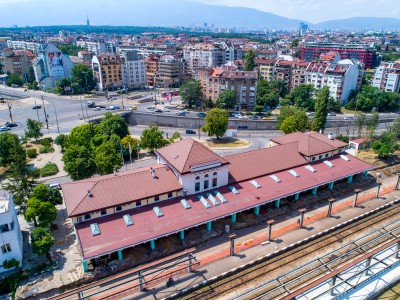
(48, 170)
(46, 141)
(46, 149)
(32, 153)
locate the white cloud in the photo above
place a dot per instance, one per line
(319, 10)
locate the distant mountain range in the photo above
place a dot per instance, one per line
(165, 13)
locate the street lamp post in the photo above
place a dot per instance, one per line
(46, 117)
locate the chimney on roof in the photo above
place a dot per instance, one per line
(89, 194)
(152, 172)
(330, 136)
(115, 172)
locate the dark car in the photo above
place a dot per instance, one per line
(181, 113)
(190, 131)
(11, 124)
(36, 107)
(201, 114)
(158, 111)
(253, 118)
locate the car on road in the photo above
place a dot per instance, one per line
(11, 124)
(269, 118)
(110, 107)
(150, 109)
(201, 114)
(181, 113)
(165, 110)
(97, 108)
(190, 131)
(117, 107)
(90, 104)
(348, 118)
(55, 185)
(158, 110)
(112, 98)
(36, 107)
(253, 118)
(4, 128)
(332, 114)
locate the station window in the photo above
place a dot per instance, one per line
(138, 203)
(197, 178)
(6, 248)
(157, 198)
(206, 183)
(119, 208)
(214, 182)
(313, 158)
(206, 176)
(103, 212)
(197, 187)
(327, 155)
(320, 157)
(87, 217)
(215, 174)
(170, 195)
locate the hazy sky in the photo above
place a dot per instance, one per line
(35, 12)
(318, 10)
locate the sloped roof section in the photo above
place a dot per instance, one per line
(188, 153)
(252, 164)
(310, 143)
(97, 193)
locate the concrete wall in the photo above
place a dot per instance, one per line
(192, 122)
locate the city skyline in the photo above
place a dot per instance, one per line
(32, 12)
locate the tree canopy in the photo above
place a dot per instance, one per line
(9, 142)
(249, 60)
(14, 79)
(152, 138)
(46, 194)
(216, 122)
(113, 124)
(226, 99)
(106, 158)
(292, 119)
(83, 76)
(78, 162)
(385, 145)
(33, 129)
(191, 93)
(42, 213)
(302, 96)
(62, 141)
(321, 109)
(41, 241)
(268, 93)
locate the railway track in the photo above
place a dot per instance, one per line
(247, 280)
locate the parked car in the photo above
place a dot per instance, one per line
(4, 128)
(268, 118)
(110, 107)
(117, 107)
(180, 113)
(36, 107)
(97, 108)
(165, 110)
(158, 110)
(253, 118)
(331, 114)
(190, 131)
(348, 118)
(201, 114)
(90, 104)
(55, 185)
(150, 109)
(11, 124)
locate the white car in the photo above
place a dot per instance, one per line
(128, 108)
(165, 110)
(97, 108)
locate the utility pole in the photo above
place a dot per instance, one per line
(58, 128)
(83, 115)
(46, 117)
(9, 110)
(37, 112)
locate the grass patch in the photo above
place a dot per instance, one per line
(48, 170)
(46, 149)
(227, 143)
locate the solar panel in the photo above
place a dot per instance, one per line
(294, 173)
(233, 190)
(275, 178)
(158, 211)
(220, 197)
(212, 199)
(344, 157)
(310, 168)
(94, 227)
(128, 220)
(255, 183)
(204, 201)
(328, 163)
(185, 204)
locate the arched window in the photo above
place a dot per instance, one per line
(206, 176)
(215, 174)
(197, 177)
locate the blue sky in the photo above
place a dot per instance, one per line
(42, 12)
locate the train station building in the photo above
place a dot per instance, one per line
(192, 186)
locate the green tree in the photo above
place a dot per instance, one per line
(113, 124)
(226, 99)
(360, 120)
(1, 68)
(372, 124)
(11, 263)
(210, 103)
(30, 75)
(33, 129)
(216, 122)
(83, 76)
(14, 79)
(333, 105)
(61, 140)
(78, 162)
(321, 109)
(107, 158)
(258, 109)
(385, 145)
(46, 194)
(42, 213)
(70, 49)
(296, 121)
(81, 135)
(8, 143)
(249, 60)
(266, 94)
(41, 241)
(152, 138)
(302, 96)
(128, 140)
(175, 136)
(191, 93)
(279, 86)
(64, 86)
(294, 43)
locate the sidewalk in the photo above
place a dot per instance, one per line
(214, 255)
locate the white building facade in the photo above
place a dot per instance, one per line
(133, 70)
(11, 242)
(387, 77)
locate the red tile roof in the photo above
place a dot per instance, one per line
(110, 191)
(251, 164)
(188, 153)
(310, 143)
(116, 235)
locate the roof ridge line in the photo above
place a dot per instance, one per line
(80, 202)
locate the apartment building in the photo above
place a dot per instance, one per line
(95, 47)
(16, 61)
(387, 77)
(215, 80)
(265, 68)
(107, 71)
(151, 69)
(133, 70)
(11, 243)
(22, 45)
(362, 52)
(172, 72)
